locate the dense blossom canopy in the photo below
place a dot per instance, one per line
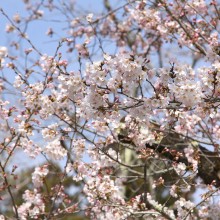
(120, 120)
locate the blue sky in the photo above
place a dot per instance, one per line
(37, 29)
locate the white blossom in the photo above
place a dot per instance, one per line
(54, 150)
(3, 52)
(39, 175)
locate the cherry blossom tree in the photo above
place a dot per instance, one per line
(120, 119)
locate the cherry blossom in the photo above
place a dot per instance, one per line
(120, 120)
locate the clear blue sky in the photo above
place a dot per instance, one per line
(37, 29)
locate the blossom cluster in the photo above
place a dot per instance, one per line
(121, 121)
